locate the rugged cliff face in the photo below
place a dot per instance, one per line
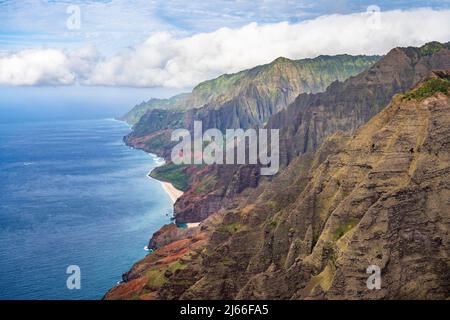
(263, 90)
(347, 105)
(378, 197)
(242, 100)
(344, 106)
(178, 102)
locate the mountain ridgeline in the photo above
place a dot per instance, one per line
(364, 182)
(311, 118)
(378, 198)
(241, 100)
(273, 86)
(346, 105)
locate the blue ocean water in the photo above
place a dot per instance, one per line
(71, 193)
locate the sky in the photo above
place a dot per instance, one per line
(154, 48)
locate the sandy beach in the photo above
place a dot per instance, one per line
(173, 192)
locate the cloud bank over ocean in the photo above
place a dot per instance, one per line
(166, 59)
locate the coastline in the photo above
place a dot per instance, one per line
(173, 192)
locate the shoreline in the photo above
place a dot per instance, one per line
(173, 192)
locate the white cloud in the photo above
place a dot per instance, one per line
(164, 60)
(170, 61)
(30, 67)
(46, 67)
(82, 61)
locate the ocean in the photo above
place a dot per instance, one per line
(71, 193)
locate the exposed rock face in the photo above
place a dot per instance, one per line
(380, 197)
(383, 200)
(168, 234)
(155, 270)
(254, 94)
(344, 106)
(242, 100)
(153, 132)
(213, 188)
(347, 105)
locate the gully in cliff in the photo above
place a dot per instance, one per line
(221, 150)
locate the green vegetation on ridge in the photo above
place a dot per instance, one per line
(429, 88)
(175, 174)
(432, 47)
(271, 81)
(139, 110)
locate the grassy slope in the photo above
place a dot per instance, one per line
(174, 174)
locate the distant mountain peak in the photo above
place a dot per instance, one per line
(281, 60)
(377, 197)
(266, 88)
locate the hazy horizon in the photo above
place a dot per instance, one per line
(72, 102)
